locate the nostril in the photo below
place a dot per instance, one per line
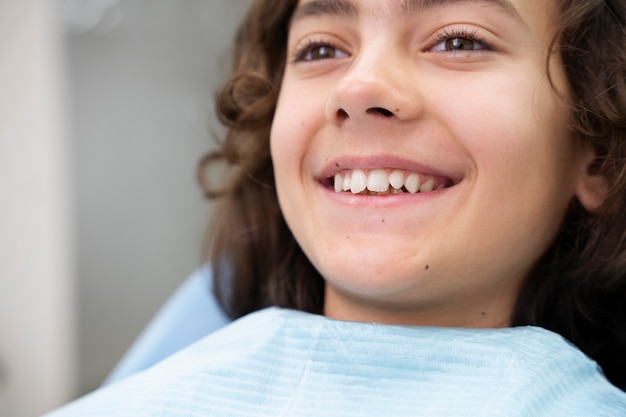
(342, 114)
(381, 111)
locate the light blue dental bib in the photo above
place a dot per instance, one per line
(280, 362)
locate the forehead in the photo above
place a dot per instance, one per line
(353, 8)
(540, 15)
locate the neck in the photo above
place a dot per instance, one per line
(467, 313)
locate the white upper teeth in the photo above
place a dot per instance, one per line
(378, 181)
(382, 181)
(396, 179)
(358, 181)
(412, 183)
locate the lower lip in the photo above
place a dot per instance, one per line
(384, 200)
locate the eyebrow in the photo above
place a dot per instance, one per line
(348, 8)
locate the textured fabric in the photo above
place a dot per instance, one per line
(285, 363)
(188, 315)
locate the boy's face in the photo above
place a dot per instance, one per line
(451, 98)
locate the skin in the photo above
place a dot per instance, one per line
(375, 86)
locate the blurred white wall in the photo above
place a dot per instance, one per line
(141, 78)
(37, 333)
(105, 109)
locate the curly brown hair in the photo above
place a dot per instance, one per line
(578, 288)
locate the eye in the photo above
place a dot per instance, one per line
(459, 41)
(316, 51)
(460, 44)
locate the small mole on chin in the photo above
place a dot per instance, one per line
(427, 267)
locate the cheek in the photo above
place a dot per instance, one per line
(284, 140)
(505, 120)
(299, 113)
(523, 163)
(290, 120)
(290, 140)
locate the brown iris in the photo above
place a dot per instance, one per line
(459, 44)
(323, 52)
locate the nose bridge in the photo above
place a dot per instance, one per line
(378, 81)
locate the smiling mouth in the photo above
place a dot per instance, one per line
(386, 182)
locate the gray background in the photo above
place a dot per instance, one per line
(141, 77)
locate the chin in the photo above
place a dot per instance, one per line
(372, 277)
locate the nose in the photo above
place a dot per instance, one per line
(378, 84)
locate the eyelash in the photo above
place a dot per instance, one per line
(446, 35)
